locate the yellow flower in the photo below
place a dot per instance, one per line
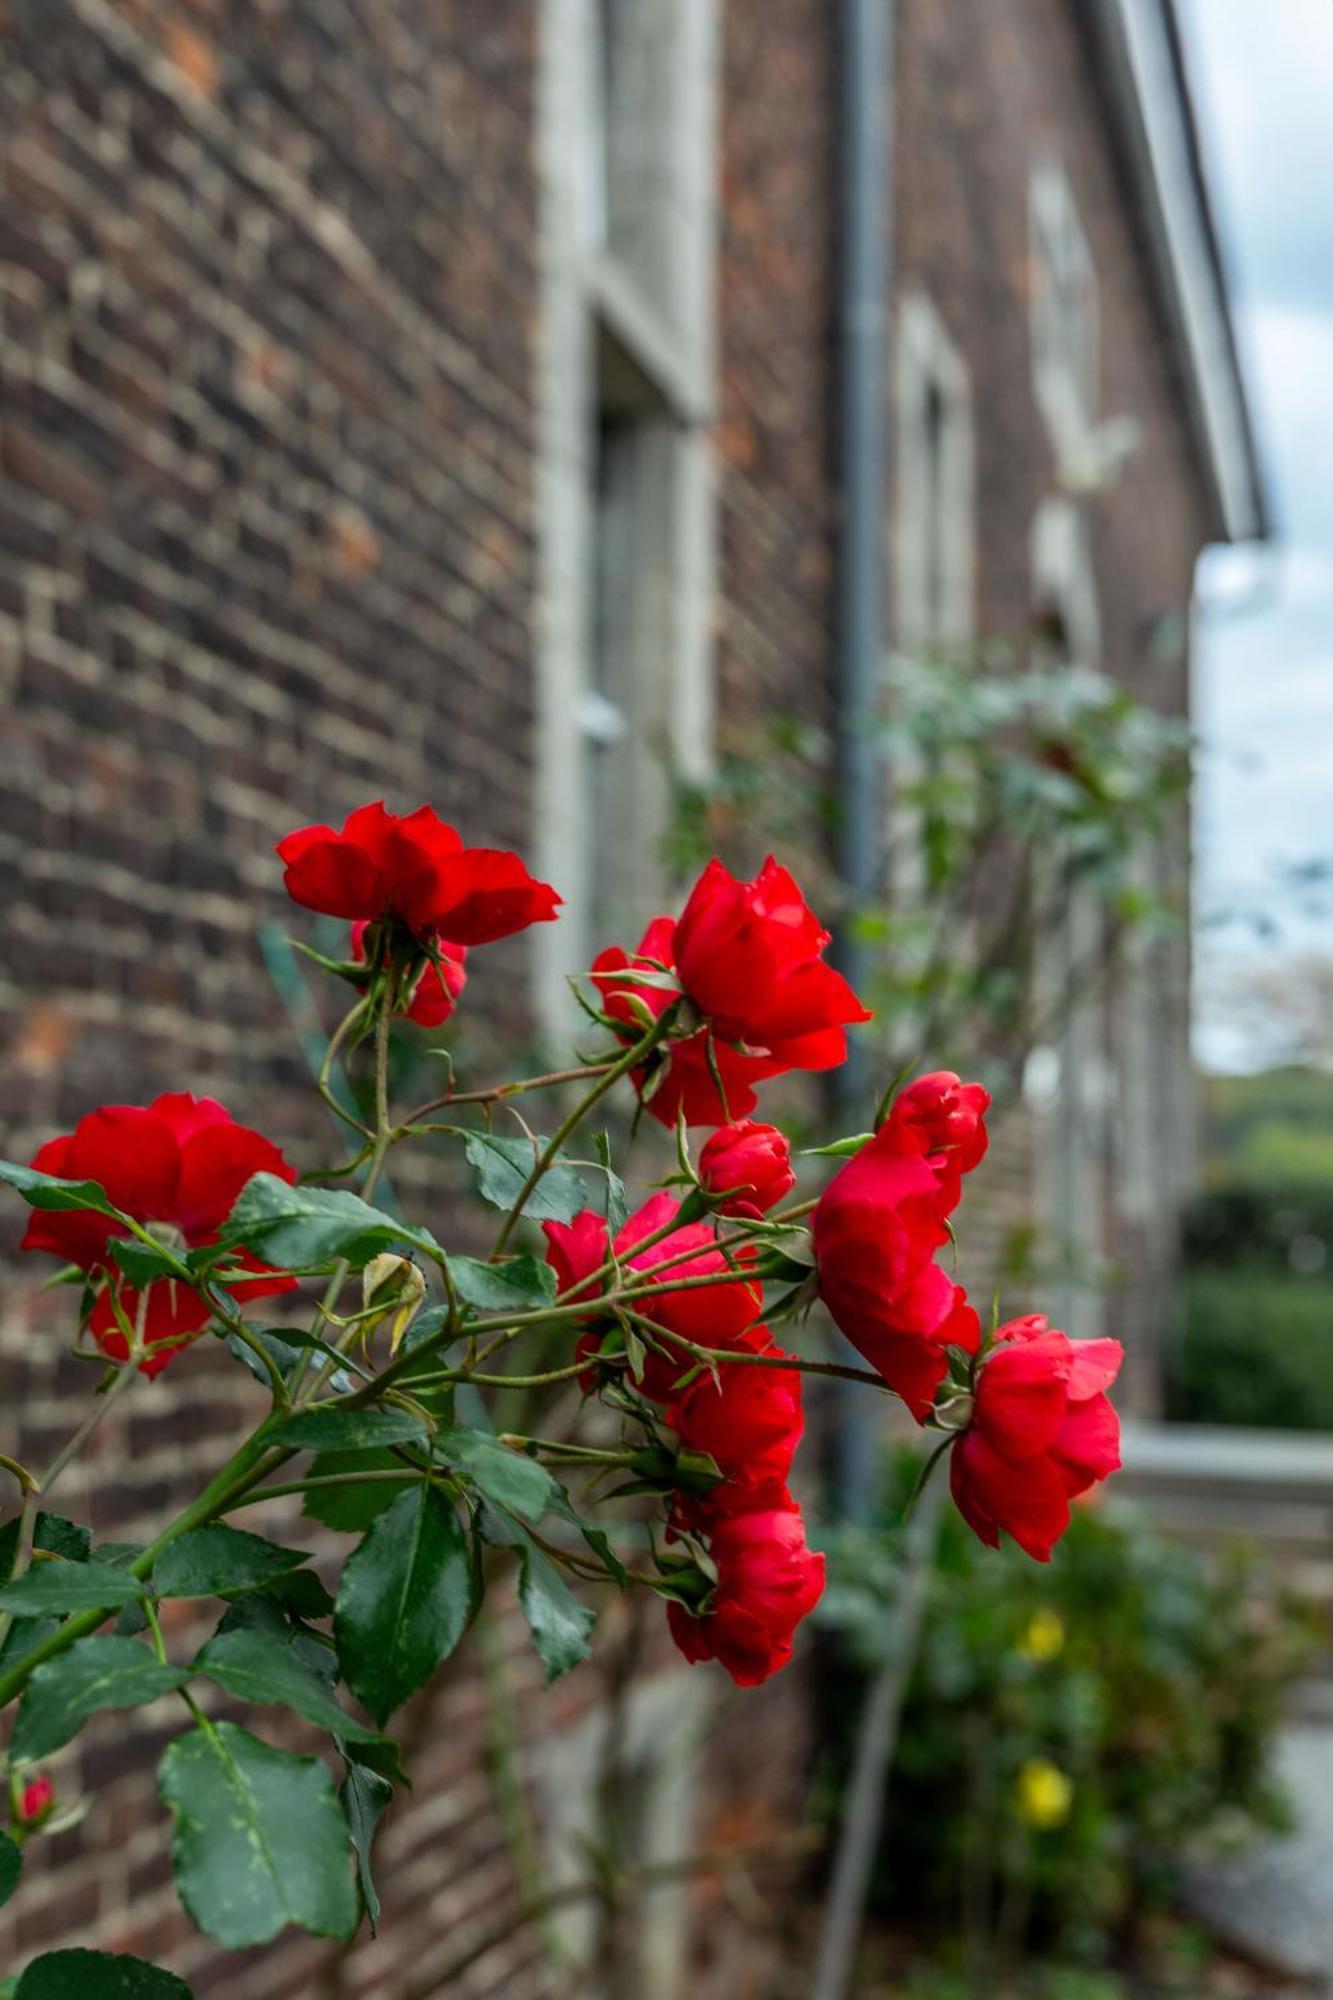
(1045, 1636)
(1044, 1795)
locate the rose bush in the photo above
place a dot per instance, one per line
(173, 1220)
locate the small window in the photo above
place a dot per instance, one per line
(1064, 313)
(935, 530)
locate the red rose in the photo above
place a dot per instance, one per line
(767, 1582)
(944, 1119)
(437, 988)
(747, 1419)
(36, 1799)
(415, 871)
(749, 956)
(876, 1230)
(181, 1161)
(748, 1163)
(710, 1315)
(1042, 1431)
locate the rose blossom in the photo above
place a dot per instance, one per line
(747, 1418)
(1042, 1431)
(748, 1163)
(749, 956)
(767, 1582)
(413, 870)
(436, 990)
(181, 1161)
(711, 1315)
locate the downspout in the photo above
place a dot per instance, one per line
(865, 177)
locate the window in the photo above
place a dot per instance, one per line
(625, 680)
(935, 527)
(1071, 1082)
(932, 569)
(1064, 314)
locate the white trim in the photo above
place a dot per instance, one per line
(1187, 257)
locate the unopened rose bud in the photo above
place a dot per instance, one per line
(391, 1287)
(749, 1165)
(36, 1800)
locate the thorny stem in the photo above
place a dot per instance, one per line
(495, 1093)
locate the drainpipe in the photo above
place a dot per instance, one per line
(865, 168)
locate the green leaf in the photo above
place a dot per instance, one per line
(284, 1352)
(383, 1757)
(503, 1165)
(405, 1599)
(561, 1627)
(301, 1592)
(58, 1586)
(11, 1866)
(349, 1430)
(518, 1285)
(562, 1505)
(94, 1674)
(50, 1192)
(260, 1839)
(504, 1477)
(261, 1613)
(364, 1797)
(351, 1508)
(97, 1975)
(615, 1205)
(264, 1669)
(56, 1536)
(299, 1228)
(143, 1262)
(217, 1562)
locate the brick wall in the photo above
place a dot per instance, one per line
(268, 285)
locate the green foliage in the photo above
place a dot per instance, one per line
(1253, 1347)
(1273, 1130)
(365, 1796)
(561, 1627)
(350, 1430)
(97, 1975)
(405, 1600)
(518, 1285)
(349, 1507)
(504, 1477)
(11, 1866)
(95, 1674)
(260, 1839)
(308, 1228)
(59, 1586)
(264, 1667)
(1070, 1731)
(221, 1562)
(48, 1191)
(503, 1165)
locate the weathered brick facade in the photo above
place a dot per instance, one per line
(269, 325)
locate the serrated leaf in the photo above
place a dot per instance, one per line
(260, 1838)
(57, 1536)
(95, 1674)
(405, 1599)
(97, 1975)
(364, 1797)
(504, 1477)
(518, 1285)
(299, 1228)
(49, 1191)
(11, 1866)
(262, 1613)
(55, 1587)
(561, 1627)
(217, 1562)
(301, 1592)
(502, 1167)
(349, 1430)
(285, 1354)
(616, 1203)
(563, 1506)
(264, 1669)
(350, 1509)
(143, 1262)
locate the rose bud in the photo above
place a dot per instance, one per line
(36, 1800)
(395, 1286)
(749, 1166)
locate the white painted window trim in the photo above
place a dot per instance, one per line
(926, 359)
(1065, 378)
(672, 342)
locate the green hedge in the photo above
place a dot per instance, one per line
(1254, 1346)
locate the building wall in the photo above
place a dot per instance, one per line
(269, 303)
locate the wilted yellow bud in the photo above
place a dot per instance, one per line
(1044, 1795)
(394, 1284)
(1045, 1636)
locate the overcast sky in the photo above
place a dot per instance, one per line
(1263, 79)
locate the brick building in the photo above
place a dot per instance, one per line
(443, 401)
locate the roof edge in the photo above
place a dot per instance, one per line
(1145, 65)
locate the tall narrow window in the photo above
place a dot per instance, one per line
(1064, 313)
(624, 685)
